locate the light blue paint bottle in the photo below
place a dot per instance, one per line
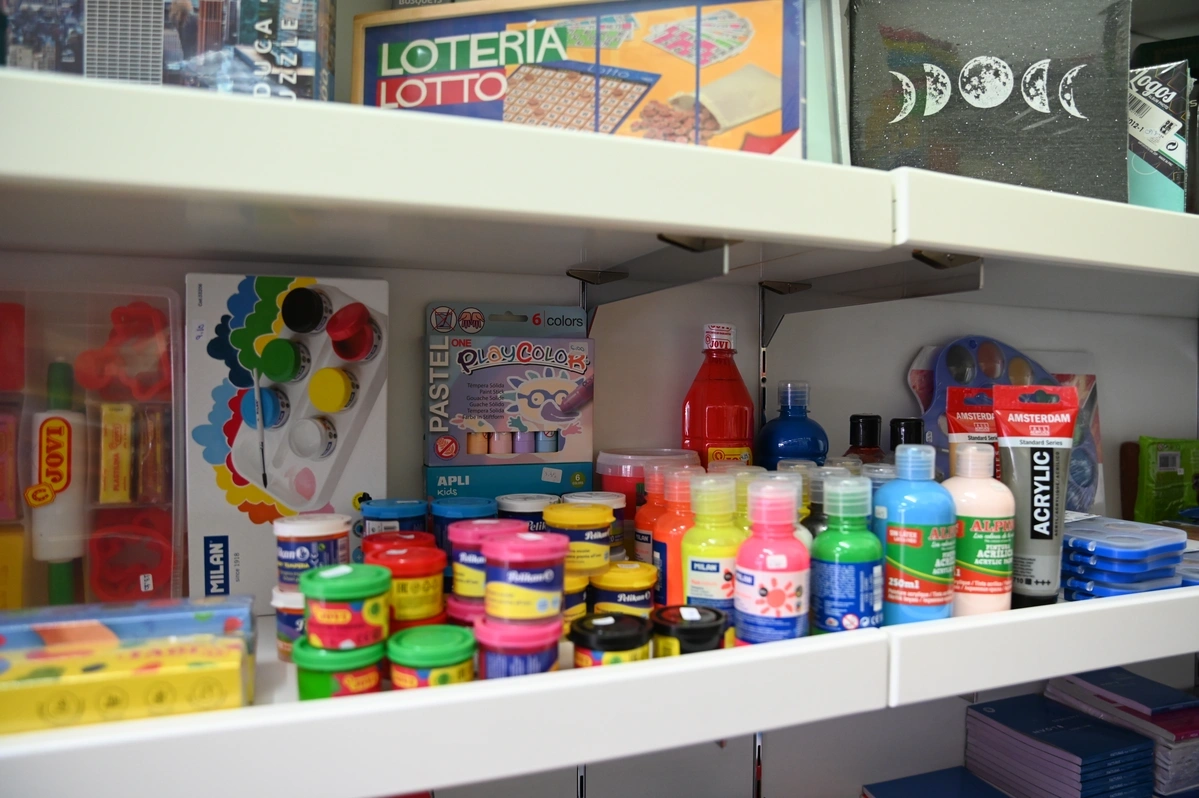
(914, 518)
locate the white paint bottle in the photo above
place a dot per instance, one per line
(986, 509)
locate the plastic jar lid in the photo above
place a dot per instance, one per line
(578, 516)
(440, 619)
(393, 509)
(523, 636)
(525, 502)
(607, 498)
(631, 462)
(610, 631)
(576, 583)
(431, 646)
(471, 532)
(303, 309)
(411, 561)
(463, 507)
(333, 660)
(381, 541)
(627, 576)
(526, 547)
(281, 360)
(697, 625)
(345, 582)
(316, 525)
(286, 599)
(330, 390)
(463, 610)
(351, 331)
(272, 408)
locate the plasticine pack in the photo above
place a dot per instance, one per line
(1169, 474)
(511, 387)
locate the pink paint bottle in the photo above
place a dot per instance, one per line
(771, 598)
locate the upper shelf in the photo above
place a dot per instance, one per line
(90, 166)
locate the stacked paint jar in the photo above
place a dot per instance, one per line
(589, 529)
(303, 543)
(526, 507)
(467, 562)
(616, 503)
(523, 596)
(417, 598)
(393, 515)
(346, 614)
(455, 508)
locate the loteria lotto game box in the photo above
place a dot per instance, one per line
(727, 75)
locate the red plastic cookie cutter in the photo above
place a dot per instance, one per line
(351, 331)
(136, 359)
(129, 556)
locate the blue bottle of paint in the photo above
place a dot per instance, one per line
(792, 434)
(914, 517)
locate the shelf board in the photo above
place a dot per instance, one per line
(507, 726)
(965, 655)
(109, 168)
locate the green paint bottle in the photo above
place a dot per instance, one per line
(847, 561)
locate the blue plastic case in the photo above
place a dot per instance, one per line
(1122, 540)
(1115, 577)
(1189, 574)
(1123, 566)
(1100, 589)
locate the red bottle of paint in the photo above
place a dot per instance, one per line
(718, 415)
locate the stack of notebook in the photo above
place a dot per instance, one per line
(1031, 747)
(949, 783)
(1169, 717)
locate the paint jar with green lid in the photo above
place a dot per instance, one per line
(324, 673)
(431, 656)
(285, 361)
(346, 606)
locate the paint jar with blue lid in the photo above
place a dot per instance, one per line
(526, 507)
(393, 515)
(275, 408)
(456, 508)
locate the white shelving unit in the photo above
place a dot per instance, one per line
(93, 181)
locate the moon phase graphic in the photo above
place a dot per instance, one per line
(1065, 92)
(909, 97)
(940, 87)
(986, 81)
(1034, 86)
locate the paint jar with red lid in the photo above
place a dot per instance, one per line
(416, 582)
(467, 562)
(517, 649)
(355, 335)
(382, 541)
(525, 576)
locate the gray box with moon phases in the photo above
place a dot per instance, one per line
(1027, 92)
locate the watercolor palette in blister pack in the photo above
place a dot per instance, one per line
(286, 413)
(1122, 540)
(977, 361)
(1081, 558)
(1106, 589)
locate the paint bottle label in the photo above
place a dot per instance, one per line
(920, 564)
(846, 596)
(771, 605)
(661, 561)
(643, 545)
(984, 555)
(710, 582)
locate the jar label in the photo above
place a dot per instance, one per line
(589, 548)
(523, 594)
(470, 573)
(846, 596)
(616, 534)
(497, 665)
(630, 602)
(588, 658)
(665, 646)
(575, 604)
(356, 682)
(771, 605)
(984, 555)
(414, 599)
(741, 454)
(920, 564)
(297, 556)
(289, 626)
(346, 624)
(405, 678)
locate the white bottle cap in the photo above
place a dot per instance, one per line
(915, 461)
(975, 460)
(847, 497)
(720, 336)
(793, 393)
(820, 475)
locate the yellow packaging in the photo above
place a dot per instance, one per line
(12, 567)
(116, 453)
(75, 684)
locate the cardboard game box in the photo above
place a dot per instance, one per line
(232, 499)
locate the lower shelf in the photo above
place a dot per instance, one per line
(476, 732)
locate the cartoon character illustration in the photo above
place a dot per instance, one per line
(540, 401)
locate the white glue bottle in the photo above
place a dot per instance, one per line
(57, 496)
(986, 509)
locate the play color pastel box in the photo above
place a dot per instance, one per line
(286, 414)
(727, 75)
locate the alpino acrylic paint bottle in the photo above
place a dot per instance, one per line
(915, 520)
(710, 547)
(847, 561)
(986, 510)
(771, 594)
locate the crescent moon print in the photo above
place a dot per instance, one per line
(940, 88)
(1034, 86)
(909, 97)
(986, 81)
(1065, 92)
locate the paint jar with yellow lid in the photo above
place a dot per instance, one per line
(589, 527)
(332, 390)
(626, 587)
